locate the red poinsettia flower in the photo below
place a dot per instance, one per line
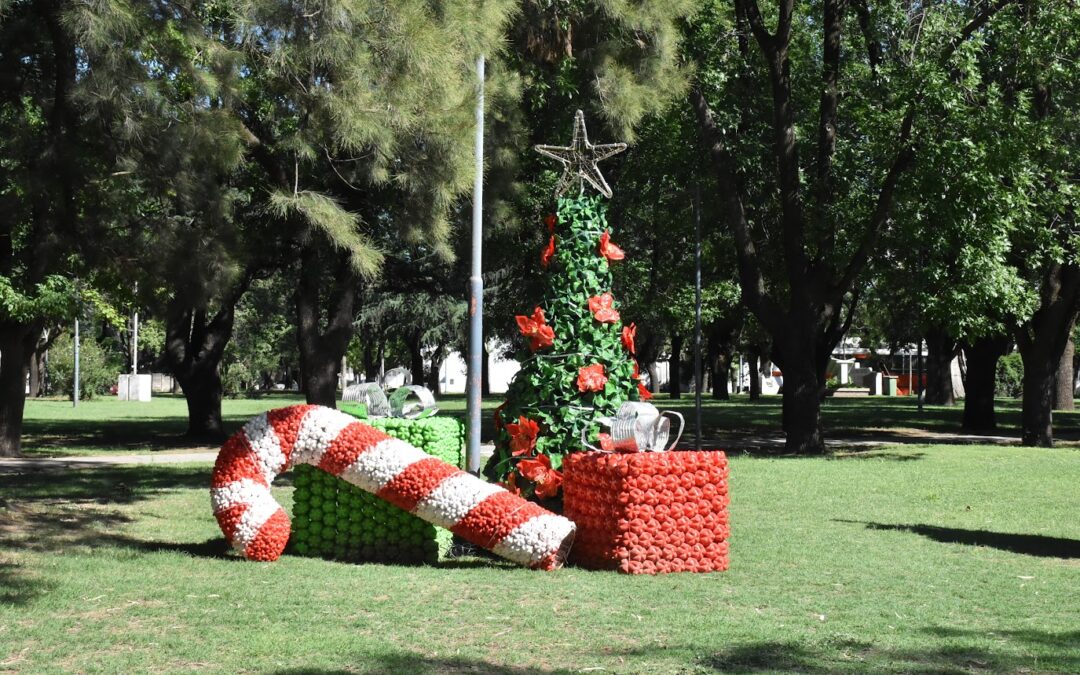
(591, 378)
(549, 251)
(609, 250)
(550, 222)
(536, 329)
(643, 393)
(602, 311)
(511, 485)
(628, 335)
(522, 436)
(539, 471)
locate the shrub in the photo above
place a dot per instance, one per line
(98, 370)
(1009, 380)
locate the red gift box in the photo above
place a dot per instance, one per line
(648, 512)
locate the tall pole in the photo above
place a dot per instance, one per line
(697, 316)
(918, 375)
(75, 387)
(135, 337)
(476, 287)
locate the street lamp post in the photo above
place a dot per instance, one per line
(476, 287)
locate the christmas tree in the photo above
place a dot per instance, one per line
(577, 358)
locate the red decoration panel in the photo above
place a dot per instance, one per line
(648, 512)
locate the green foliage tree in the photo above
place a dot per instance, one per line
(97, 367)
(56, 205)
(362, 118)
(807, 216)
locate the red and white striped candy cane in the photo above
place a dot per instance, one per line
(482, 513)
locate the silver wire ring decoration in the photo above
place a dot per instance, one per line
(424, 406)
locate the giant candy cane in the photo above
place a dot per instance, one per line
(482, 513)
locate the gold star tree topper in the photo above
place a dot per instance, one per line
(579, 160)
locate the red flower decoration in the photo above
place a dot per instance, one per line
(550, 222)
(549, 251)
(643, 393)
(511, 485)
(602, 311)
(609, 250)
(591, 378)
(628, 335)
(606, 443)
(522, 436)
(536, 329)
(540, 472)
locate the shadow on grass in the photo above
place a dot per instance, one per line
(105, 485)
(881, 455)
(20, 587)
(1067, 640)
(1026, 544)
(136, 433)
(1021, 651)
(416, 663)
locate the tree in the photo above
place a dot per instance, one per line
(54, 223)
(362, 119)
(894, 66)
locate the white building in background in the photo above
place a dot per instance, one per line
(453, 373)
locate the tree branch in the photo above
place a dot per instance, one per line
(830, 73)
(752, 14)
(873, 46)
(883, 208)
(751, 279)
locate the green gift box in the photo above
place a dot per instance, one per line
(334, 519)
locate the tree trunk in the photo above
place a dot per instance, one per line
(370, 362)
(941, 348)
(36, 372)
(194, 347)
(1042, 341)
(1037, 412)
(321, 350)
(203, 392)
(981, 357)
(754, 369)
(1066, 379)
(803, 392)
(803, 365)
(16, 342)
(675, 367)
(654, 378)
(721, 368)
(437, 358)
(416, 355)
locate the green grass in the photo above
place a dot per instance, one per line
(936, 559)
(106, 425)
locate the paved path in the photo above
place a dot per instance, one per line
(751, 443)
(20, 464)
(867, 441)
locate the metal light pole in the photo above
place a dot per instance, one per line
(75, 387)
(476, 288)
(135, 336)
(697, 316)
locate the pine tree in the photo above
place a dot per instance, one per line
(577, 358)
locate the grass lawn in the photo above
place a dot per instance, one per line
(106, 425)
(935, 559)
